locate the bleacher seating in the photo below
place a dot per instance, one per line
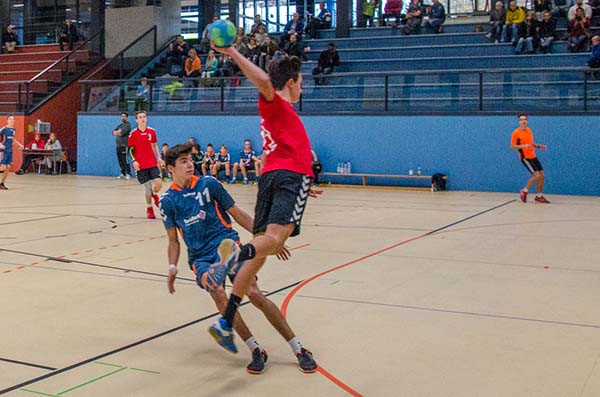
(442, 73)
(26, 63)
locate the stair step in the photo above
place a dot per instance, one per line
(51, 75)
(80, 55)
(40, 86)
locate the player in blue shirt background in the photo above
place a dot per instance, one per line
(199, 209)
(248, 162)
(7, 140)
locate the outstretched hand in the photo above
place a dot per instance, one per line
(284, 254)
(314, 192)
(222, 50)
(171, 279)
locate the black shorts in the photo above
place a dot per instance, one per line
(148, 174)
(281, 200)
(532, 165)
(249, 166)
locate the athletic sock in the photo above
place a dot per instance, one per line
(247, 251)
(295, 345)
(232, 306)
(252, 343)
(525, 190)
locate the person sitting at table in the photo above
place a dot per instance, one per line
(51, 160)
(37, 143)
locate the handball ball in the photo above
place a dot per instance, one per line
(222, 33)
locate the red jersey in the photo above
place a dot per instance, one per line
(141, 142)
(285, 143)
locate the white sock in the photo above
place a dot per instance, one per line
(252, 343)
(525, 189)
(149, 205)
(295, 345)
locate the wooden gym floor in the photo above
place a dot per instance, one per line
(404, 294)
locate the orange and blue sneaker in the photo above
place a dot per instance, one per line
(306, 362)
(259, 359)
(223, 335)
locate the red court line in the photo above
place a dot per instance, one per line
(299, 247)
(293, 292)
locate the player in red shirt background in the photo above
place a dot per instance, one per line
(145, 155)
(283, 189)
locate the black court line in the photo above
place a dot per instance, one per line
(67, 260)
(131, 345)
(460, 312)
(34, 220)
(8, 360)
(469, 217)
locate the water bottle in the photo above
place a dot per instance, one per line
(349, 167)
(339, 167)
(419, 170)
(346, 167)
(410, 171)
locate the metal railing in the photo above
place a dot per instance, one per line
(129, 59)
(556, 91)
(59, 74)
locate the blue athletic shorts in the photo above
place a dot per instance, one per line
(6, 158)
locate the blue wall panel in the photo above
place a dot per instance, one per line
(472, 150)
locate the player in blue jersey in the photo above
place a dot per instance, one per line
(223, 163)
(199, 209)
(7, 140)
(248, 162)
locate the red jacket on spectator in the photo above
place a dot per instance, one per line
(393, 7)
(39, 142)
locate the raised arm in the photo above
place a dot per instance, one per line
(256, 75)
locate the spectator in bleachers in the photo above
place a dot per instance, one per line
(222, 163)
(414, 16)
(205, 41)
(210, 68)
(225, 68)
(435, 16)
(257, 23)
(182, 47)
(242, 34)
(142, 94)
(9, 39)
(547, 32)
(210, 157)
(328, 59)
(294, 25)
(392, 9)
(267, 51)
(368, 12)
(595, 6)
(527, 34)
(579, 3)
(497, 18)
(560, 8)
(253, 51)
(261, 36)
(54, 145)
(539, 7)
(173, 58)
(295, 48)
(37, 143)
(241, 46)
(594, 59)
(515, 15)
(321, 21)
(68, 34)
(193, 66)
(578, 31)
(248, 162)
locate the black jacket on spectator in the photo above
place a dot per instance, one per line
(547, 29)
(9, 37)
(329, 59)
(295, 49)
(498, 15)
(185, 47)
(528, 30)
(70, 31)
(542, 5)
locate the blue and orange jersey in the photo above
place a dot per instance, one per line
(199, 212)
(7, 135)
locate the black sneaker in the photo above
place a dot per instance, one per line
(307, 363)
(20, 172)
(259, 359)
(2, 187)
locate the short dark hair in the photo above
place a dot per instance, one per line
(139, 112)
(210, 144)
(223, 146)
(177, 151)
(247, 140)
(521, 115)
(284, 69)
(197, 146)
(331, 44)
(125, 113)
(165, 144)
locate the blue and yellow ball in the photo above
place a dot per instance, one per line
(222, 33)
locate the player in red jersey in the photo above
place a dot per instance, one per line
(283, 189)
(146, 158)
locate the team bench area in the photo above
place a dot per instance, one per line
(328, 176)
